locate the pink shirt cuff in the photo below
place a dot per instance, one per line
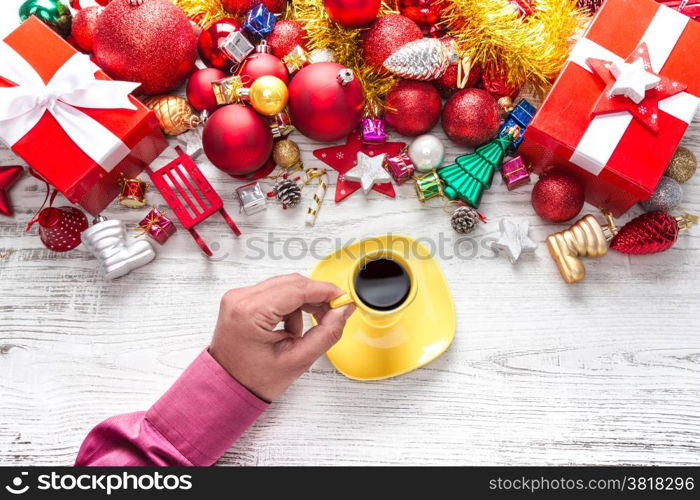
(205, 411)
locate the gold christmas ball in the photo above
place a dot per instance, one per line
(268, 95)
(174, 113)
(286, 154)
(682, 166)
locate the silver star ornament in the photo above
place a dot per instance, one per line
(514, 240)
(368, 171)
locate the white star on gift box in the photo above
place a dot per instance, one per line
(632, 80)
(369, 171)
(514, 240)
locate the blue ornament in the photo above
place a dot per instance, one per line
(259, 21)
(521, 116)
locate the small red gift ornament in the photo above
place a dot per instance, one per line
(621, 105)
(157, 226)
(60, 227)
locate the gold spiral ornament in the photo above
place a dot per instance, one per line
(174, 113)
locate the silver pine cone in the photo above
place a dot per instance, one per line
(465, 219)
(288, 192)
(424, 59)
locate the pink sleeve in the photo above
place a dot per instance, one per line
(194, 423)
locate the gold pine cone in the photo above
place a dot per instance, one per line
(174, 113)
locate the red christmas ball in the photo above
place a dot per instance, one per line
(557, 196)
(413, 107)
(386, 36)
(496, 83)
(275, 6)
(83, 28)
(447, 83)
(286, 35)
(152, 43)
(425, 13)
(471, 117)
(210, 39)
(352, 13)
(261, 64)
(321, 108)
(237, 140)
(239, 7)
(60, 227)
(200, 93)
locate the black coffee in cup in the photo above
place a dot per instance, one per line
(382, 284)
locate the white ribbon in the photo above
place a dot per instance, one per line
(73, 86)
(605, 132)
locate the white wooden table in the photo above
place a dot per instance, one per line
(603, 372)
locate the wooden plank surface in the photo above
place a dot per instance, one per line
(604, 372)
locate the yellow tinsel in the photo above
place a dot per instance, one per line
(203, 12)
(529, 50)
(322, 32)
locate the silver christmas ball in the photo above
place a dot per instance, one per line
(667, 196)
(426, 152)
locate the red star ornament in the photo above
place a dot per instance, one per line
(647, 110)
(343, 158)
(8, 176)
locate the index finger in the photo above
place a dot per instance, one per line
(293, 294)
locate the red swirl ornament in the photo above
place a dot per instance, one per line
(652, 232)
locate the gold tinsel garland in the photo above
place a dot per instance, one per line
(529, 50)
(203, 12)
(346, 44)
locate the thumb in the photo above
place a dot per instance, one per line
(323, 336)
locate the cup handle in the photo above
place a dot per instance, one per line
(341, 301)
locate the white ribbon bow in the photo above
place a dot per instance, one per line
(73, 86)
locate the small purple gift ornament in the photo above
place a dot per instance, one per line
(400, 167)
(373, 131)
(515, 173)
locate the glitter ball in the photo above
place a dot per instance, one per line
(682, 166)
(666, 197)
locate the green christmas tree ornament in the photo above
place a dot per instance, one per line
(53, 13)
(471, 174)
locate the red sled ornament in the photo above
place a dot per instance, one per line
(190, 195)
(590, 123)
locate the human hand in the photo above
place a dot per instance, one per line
(266, 360)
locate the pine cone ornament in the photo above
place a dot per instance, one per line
(288, 192)
(651, 232)
(174, 113)
(424, 59)
(465, 219)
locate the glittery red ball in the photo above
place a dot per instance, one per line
(447, 83)
(412, 107)
(471, 117)
(210, 39)
(557, 196)
(152, 43)
(238, 7)
(496, 83)
(261, 64)
(352, 13)
(83, 28)
(386, 36)
(237, 140)
(286, 35)
(200, 93)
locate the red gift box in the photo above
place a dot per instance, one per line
(618, 158)
(115, 142)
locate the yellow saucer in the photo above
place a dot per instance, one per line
(374, 348)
